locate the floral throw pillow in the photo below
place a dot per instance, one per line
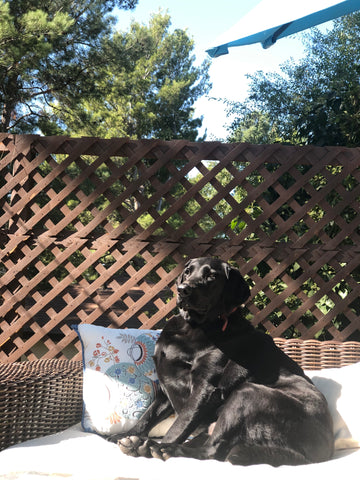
(120, 381)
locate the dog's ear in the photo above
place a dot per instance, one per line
(236, 290)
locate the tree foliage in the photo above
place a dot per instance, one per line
(48, 50)
(313, 101)
(253, 127)
(147, 86)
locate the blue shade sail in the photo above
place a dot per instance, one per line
(274, 19)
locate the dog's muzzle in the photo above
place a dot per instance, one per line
(187, 301)
(184, 290)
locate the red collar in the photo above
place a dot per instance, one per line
(225, 319)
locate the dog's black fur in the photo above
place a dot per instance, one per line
(219, 373)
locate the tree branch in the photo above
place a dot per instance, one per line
(25, 116)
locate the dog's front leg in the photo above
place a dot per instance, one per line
(200, 407)
(199, 410)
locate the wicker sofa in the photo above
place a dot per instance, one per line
(42, 398)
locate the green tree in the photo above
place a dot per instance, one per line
(313, 101)
(253, 127)
(48, 50)
(148, 84)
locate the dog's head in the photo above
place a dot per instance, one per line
(209, 287)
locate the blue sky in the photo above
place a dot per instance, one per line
(205, 21)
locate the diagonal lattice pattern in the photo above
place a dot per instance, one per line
(97, 231)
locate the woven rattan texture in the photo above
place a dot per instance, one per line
(43, 397)
(38, 398)
(97, 231)
(316, 355)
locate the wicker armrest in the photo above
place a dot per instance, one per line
(316, 355)
(38, 398)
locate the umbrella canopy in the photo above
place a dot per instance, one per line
(274, 19)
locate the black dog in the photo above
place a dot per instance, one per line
(219, 373)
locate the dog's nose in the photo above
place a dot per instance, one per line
(184, 290)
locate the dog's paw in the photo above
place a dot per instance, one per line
(144, 447)
(160, 452)
(136, 446)
(115, 437)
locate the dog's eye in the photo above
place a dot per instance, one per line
(187, 271)
(209, 274)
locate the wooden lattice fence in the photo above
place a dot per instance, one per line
(97, 231)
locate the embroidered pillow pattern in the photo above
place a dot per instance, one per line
(120, 380)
